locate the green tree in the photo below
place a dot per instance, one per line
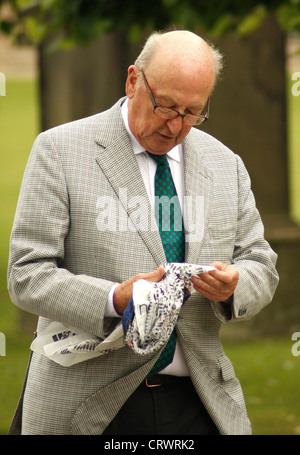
(81, 21)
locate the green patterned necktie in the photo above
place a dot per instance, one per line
(169, 220)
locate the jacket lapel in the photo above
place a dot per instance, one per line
(198, 189)
(117, 161)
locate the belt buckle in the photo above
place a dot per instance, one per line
(151, 385)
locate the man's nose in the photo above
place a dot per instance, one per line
(175, 124)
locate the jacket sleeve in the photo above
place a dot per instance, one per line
(37, 282)
(253, 258)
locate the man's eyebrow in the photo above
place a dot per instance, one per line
(166, 98)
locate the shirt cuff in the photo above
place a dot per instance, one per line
(110, 311)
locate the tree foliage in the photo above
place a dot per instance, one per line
(80, 21)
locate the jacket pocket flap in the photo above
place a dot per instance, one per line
(226, 368)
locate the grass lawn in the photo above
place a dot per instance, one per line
(294, 155)
(269, 375)
(268, 372)
(18, 127)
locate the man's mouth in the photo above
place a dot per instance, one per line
(167, 137)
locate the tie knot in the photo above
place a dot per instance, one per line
(161, 160)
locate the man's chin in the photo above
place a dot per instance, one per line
(162, 145)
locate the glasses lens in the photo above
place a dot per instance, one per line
(192, 120)
(165, 112)
(168, 113)
(197, 121)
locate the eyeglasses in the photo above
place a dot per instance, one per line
(168, 113)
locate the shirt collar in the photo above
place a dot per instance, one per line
(174, 153)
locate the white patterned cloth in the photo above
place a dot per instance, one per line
(147, 323)
(155, 307)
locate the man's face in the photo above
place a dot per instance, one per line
(156, 134)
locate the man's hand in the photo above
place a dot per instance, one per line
(217, 285)
(123, 292)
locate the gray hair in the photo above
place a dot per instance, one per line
(143, 60)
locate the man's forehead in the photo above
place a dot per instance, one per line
(182, 60)
(176, 90)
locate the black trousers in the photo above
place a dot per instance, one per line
(171, 408)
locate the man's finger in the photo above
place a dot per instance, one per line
(154, 276)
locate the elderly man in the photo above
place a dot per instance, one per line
(68, 264)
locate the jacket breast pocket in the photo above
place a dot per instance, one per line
(221, 231)
(220, 243)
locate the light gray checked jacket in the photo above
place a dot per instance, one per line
(68, 249)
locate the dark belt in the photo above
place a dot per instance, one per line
(159, 380)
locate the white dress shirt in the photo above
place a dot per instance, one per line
(148, 168)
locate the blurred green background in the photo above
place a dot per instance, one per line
(267, 369)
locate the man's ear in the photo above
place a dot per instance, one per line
(131, 81)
